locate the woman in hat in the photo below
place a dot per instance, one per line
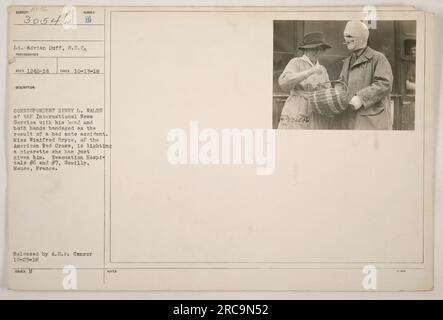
(302, 75)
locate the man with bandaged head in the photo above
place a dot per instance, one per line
(369, 77)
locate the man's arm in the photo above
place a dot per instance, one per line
(381, 85)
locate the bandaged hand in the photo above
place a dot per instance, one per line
(356, 102)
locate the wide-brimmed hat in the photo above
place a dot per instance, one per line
(314, 40)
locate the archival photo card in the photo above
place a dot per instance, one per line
(150, 148)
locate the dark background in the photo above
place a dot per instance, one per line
(393, 38)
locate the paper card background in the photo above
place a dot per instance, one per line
(328, 199)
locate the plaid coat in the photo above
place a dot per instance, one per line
(369, 77)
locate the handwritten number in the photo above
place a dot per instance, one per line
(46, 20)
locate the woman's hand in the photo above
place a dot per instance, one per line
(323, 85)
(315, 70)
(289, 79)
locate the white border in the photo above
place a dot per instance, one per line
(435, 6)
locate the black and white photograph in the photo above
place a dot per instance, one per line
(344, 75)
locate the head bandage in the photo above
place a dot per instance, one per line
(356, 29)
